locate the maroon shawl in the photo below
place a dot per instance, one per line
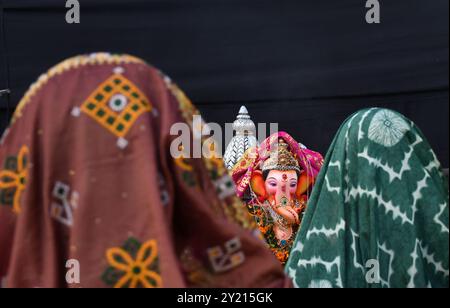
(87, 183)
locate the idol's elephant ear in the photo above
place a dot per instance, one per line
(258, 185)
(304, 183)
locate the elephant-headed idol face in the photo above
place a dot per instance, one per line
(279, 183)
(281, 186)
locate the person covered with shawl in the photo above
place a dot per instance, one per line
(378, 214)
(90, 195)
(275, 179)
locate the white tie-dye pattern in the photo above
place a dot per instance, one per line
(327, 232)
(405, 164)
(444, 228)
(387, 128)
(356, 264)
(407, 216)
(318, 261)
(383, 248)
(320, 284)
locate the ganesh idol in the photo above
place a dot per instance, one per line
(275, 180)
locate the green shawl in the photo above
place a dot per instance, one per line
(378, 215)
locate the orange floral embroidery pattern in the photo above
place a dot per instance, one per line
(138, 271)
(13, 179)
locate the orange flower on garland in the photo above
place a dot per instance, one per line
(13, 179)
(282, 256)
(264, 229)
(133, 266)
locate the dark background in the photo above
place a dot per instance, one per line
(304, 64)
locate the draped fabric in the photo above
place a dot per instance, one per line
(306, 65)
(88, 183)
(378, 215)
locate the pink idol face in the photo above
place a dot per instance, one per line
(281, 184)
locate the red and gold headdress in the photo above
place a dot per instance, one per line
(278, 152)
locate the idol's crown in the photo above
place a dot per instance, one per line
(281, 158)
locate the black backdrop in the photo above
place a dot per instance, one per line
(304, 64)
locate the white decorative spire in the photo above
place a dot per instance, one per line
(245, 138)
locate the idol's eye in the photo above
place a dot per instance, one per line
(293, 185)
(273, 184)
